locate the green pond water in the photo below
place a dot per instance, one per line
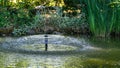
(63, 52)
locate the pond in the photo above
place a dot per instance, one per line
(63, 52)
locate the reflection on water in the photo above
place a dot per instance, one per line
(12, 60)
(93, 53)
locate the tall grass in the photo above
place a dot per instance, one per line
(116, 27)
(4, 2)
(103, 16)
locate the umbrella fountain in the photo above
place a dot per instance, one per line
(38, 44)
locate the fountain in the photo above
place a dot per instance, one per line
(38, 44)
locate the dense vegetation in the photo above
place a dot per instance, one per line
(99, 18)
(103, 16)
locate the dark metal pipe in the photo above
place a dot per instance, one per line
(46, 42)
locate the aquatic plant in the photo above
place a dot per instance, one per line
(103, 16)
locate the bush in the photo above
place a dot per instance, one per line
(24, 24)
(69, 24)
(4, 17)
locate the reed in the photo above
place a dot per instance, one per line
(103, 16)
(116, 27)
(4, 2)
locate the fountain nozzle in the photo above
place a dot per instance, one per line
(46, 42)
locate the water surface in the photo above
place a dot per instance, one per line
(63, 52)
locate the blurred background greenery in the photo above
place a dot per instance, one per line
(98, 18)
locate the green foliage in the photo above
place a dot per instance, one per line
(30, 3)
(26, 24)
(19, 18)
(72, 23)
(4, 17)
(39, 20)
(23, 17)
(116, 6)
(71, 3)
(67, 24)
(4, 2)
(102, 17)
(19, 31)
